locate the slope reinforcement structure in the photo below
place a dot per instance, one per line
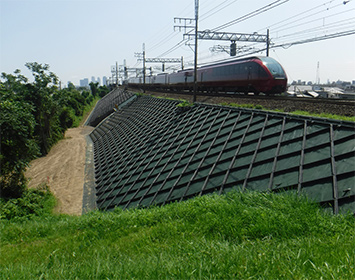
(152, 152)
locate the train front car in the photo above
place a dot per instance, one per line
(277, 79)
(253, 74)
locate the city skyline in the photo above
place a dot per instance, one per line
(85, 81)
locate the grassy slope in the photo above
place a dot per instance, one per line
(301, 113)
(79, 120)
(234, 236)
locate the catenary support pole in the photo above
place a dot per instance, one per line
(196, 40)
(268, 42)
(143, 67)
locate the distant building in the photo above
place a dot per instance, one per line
(104, 81)
(93, 79)
(99, 81)
(84, 82)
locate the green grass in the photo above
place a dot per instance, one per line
(298, 112)
(235, 236)
(260, 107)
(88, 108)
(324, 115)
(248, 106)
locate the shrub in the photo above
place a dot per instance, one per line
(32, 203)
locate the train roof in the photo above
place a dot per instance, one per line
(227, 62)
(233, 61)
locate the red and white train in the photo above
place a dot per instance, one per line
(253, 74)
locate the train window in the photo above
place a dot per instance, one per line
(261, 72)
(225, 70)
(217, 71)
(274, 67)
(235, 69)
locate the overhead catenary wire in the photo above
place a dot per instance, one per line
(256, 12)
(343, 27)
(320, 38)
(216, 9)
(323, 34)
(284, 21)
(310, 21)
(173, 48)
(283, 39)
(300, 42)
(280, 28)
(163, 41)
(328, 29)
(251, 14)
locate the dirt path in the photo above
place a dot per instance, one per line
(63, 170)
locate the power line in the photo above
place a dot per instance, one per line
(291, 37)
(332, 27)
(252, 14)
(289, 44)
(256, 12)
(163, 41)
(283, 22)
(173, 48)
(316, 39)
(214, 11)
(310, 21)
(161, 37)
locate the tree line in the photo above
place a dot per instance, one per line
(33, 117)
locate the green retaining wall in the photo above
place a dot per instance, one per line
(152, 152)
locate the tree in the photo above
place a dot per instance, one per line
(18, 145)
(94, 88)
(33, 117)
(71, 86)
(43, 78)
(39, 94)
(103, 90)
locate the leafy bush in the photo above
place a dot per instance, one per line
(33, 202)
(66, 118)
(185, 103)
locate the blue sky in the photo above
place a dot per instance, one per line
(82, 38)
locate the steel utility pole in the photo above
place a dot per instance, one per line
(143, 67)
(116, 74)
(196, 40)
(185, 25)
(268, 42)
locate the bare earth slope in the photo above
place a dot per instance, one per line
(63, 170)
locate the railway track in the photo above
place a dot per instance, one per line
(341, 107)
